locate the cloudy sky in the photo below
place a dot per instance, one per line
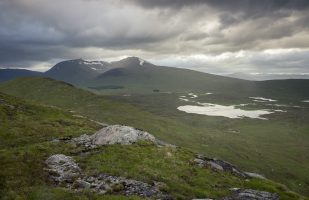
(217, 36)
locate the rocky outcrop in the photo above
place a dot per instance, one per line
(62, 168)
(221, 165)
(64, 171)
(248, 194)
(115, 134)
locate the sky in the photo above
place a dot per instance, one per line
(215, 36)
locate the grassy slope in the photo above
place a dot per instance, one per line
(247, 149)
(26, 133)
(276, 147)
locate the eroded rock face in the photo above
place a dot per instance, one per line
(62, 168)
(117, 134)
(248, 194)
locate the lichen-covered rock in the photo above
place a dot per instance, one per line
(249, 194)
(117, 134)
(62, 168)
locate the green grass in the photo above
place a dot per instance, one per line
(26, 137)
(277, 147)
(173, 167)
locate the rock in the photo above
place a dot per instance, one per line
(116, 184)
(62, 168)
(117, 134)
(79, 183)
(202, 199)
(249, 194)
(199, 162)
(66, 138)
(255, 175)
(214, 165)
(83, 140)
(90, 179)
(218, 165)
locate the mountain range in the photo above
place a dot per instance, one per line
(135, 75)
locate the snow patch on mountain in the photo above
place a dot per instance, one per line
(141, 62)
(262, 99)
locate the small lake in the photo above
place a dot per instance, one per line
(224, 111)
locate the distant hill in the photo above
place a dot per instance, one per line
(266, 76)
(8, 74)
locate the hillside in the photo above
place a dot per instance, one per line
(244, 142)
(31, 133)
(8, 74)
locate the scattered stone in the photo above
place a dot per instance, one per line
(79, 183)
(84, 140)
(62, 168)
(255, 175)
(249, 194)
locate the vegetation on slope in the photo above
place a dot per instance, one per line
(27, 136)
(257, 146)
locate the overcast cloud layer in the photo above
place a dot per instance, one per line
(222, 36)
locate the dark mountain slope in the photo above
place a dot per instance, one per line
(78, 72)
(8, 74)
(135, 73)
(138, 76)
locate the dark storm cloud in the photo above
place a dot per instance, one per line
(232, 6)
(42, 30)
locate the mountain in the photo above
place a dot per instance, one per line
(8, 74)
(78, 72)
(138, 76)
(141, 76)
(267, 76)
(135, 75)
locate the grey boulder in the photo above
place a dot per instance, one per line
(117, 134)
(62, 168)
